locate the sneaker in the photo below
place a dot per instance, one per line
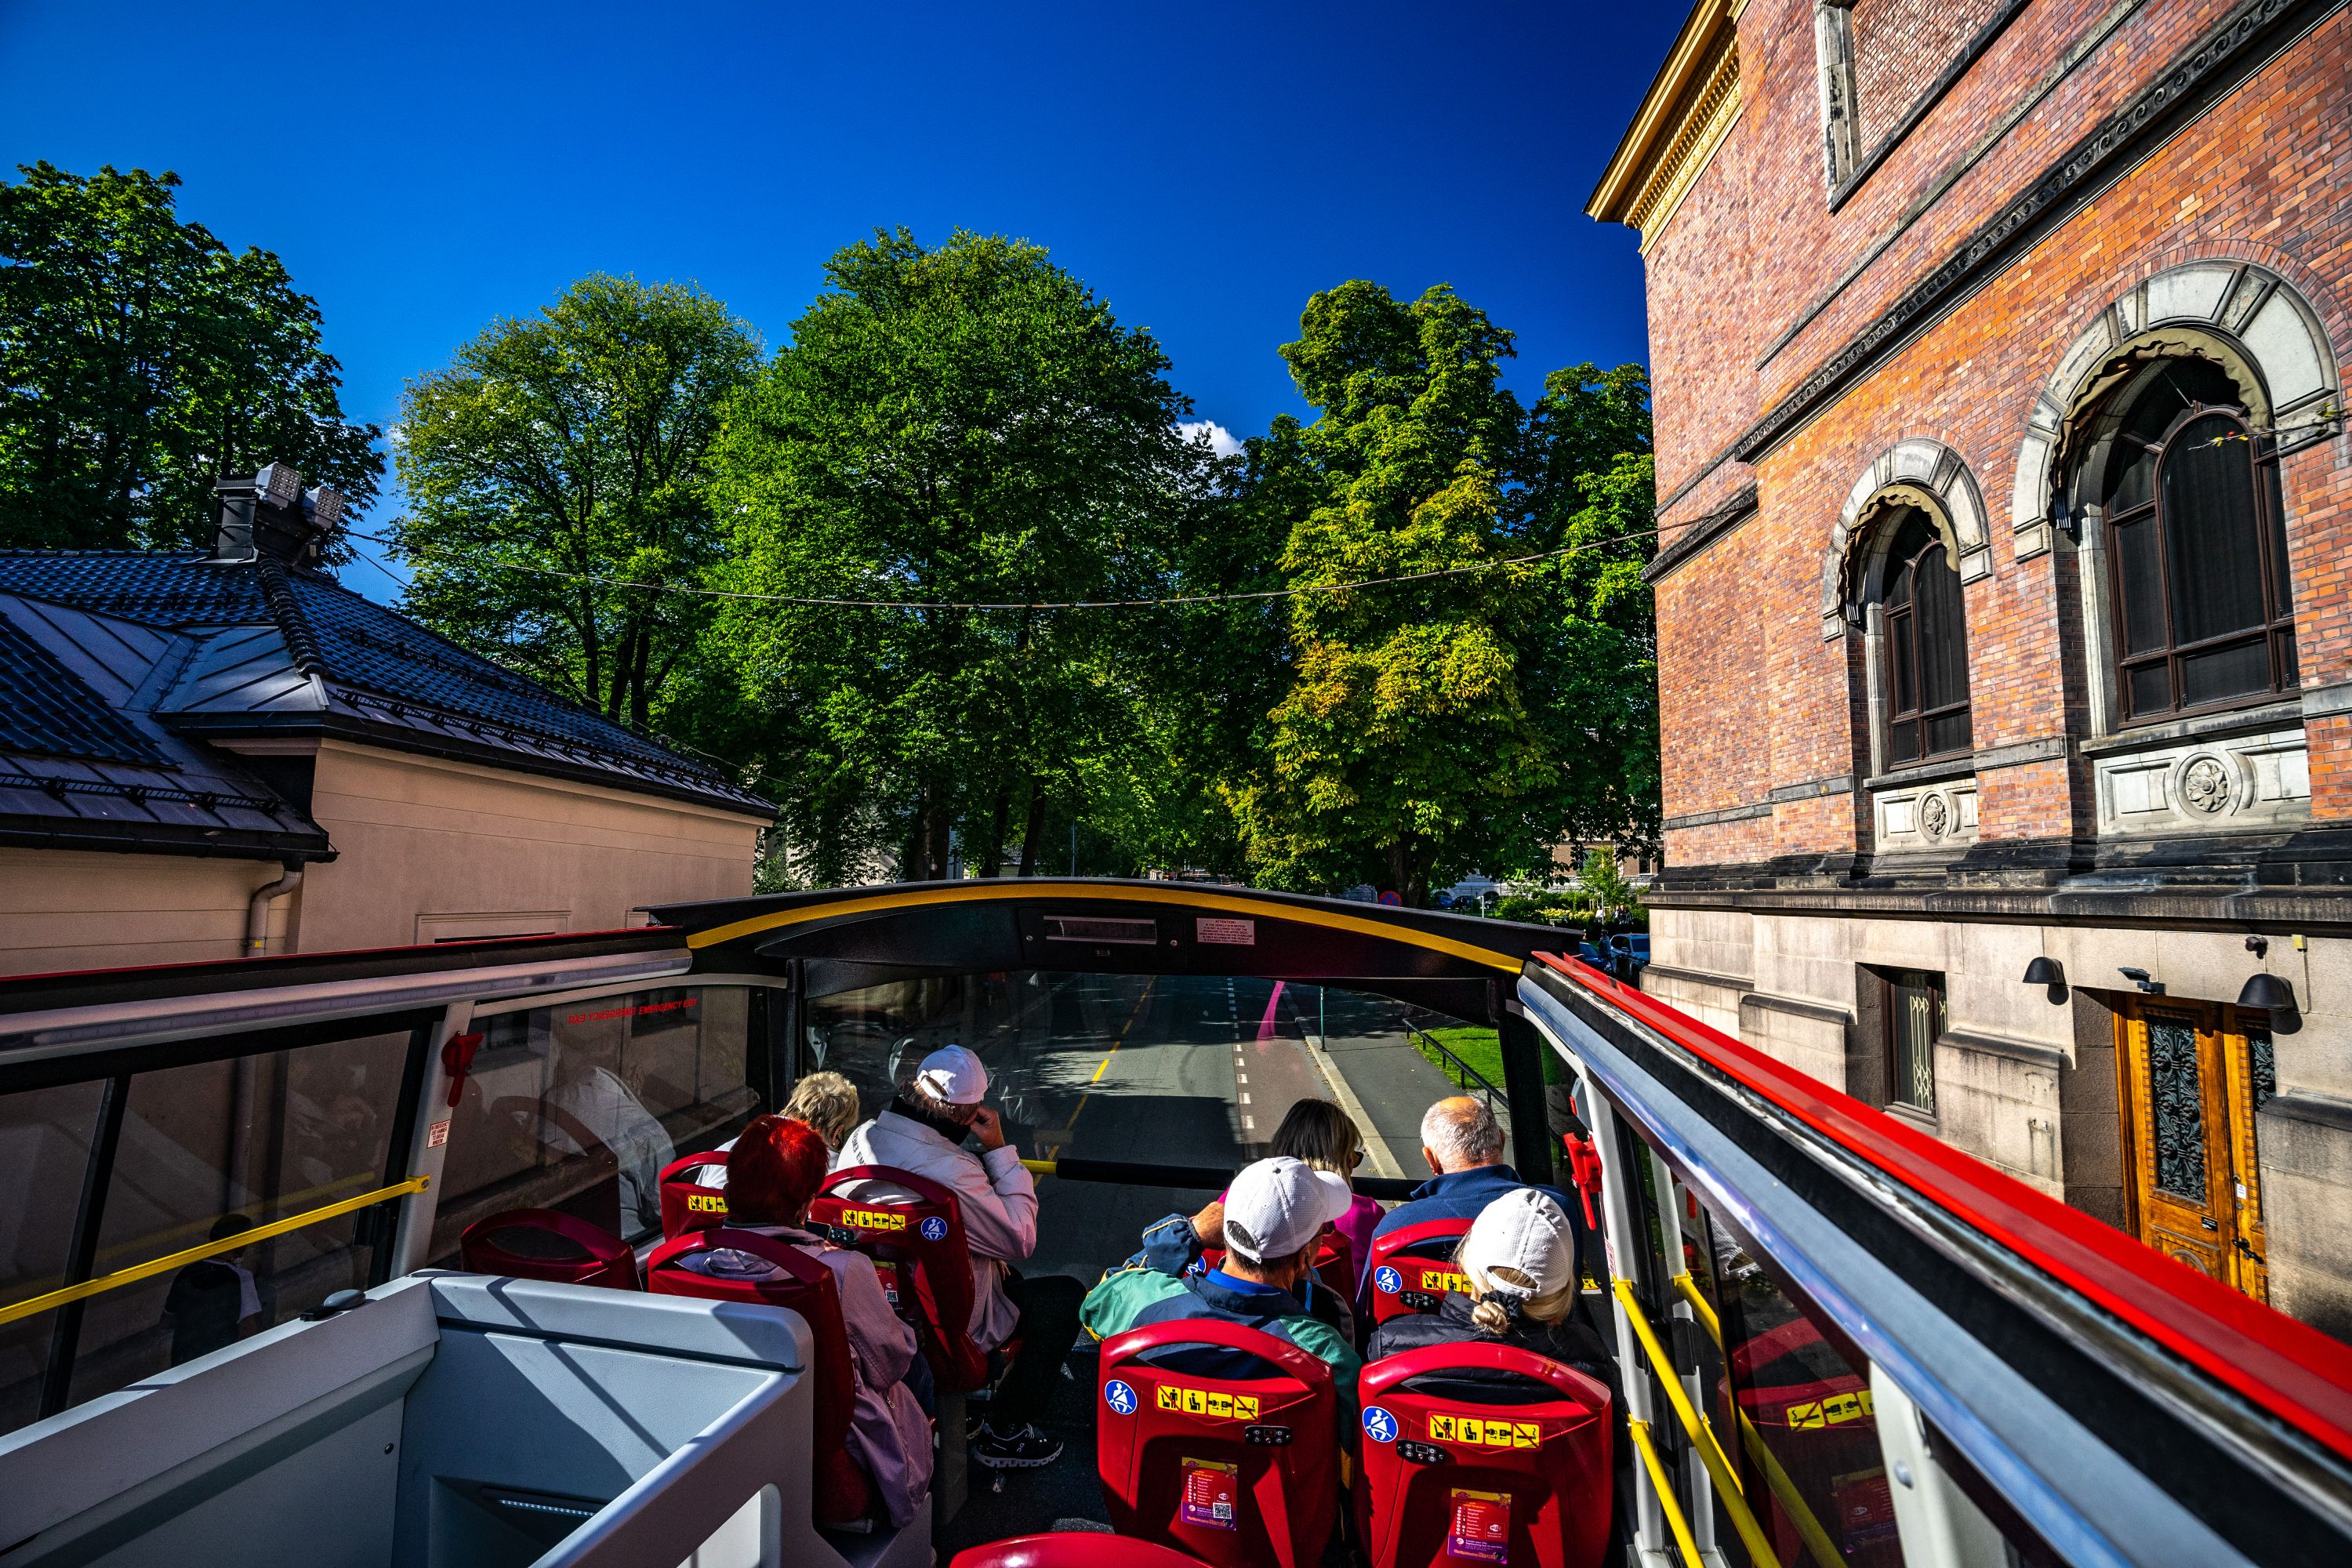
(1026, 1450)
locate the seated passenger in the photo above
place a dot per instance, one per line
(923, 1132)
(1326, 1137)
(1269, 1224)
(826, 1101)
(777, 1166)
(1520, 1259)
(1462, 1143)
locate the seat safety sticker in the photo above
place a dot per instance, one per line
(1481, 1529)
(1379, 1425)
(706, 1203)
(1386, 1280)
(1835, 1411)
(873, 1219)
(1119, 1397)
(1485, 1434)
(1206, 1402)
(1443, 1279)
(1211, 1489)
(935, 1228)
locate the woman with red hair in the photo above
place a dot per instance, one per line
(773, 1173)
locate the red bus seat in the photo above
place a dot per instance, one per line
(1242, 1473)
(1413, 1267)
(919, 1248)
(1071, 1549)
(687, 1203)
(1447, 1479)
(548, 1244)
(842, 1493)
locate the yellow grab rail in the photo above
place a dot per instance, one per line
(1702, 1436)
(1668, 1504)
(1792, 1503)
(243, 1238)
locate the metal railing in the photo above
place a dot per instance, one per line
(1464, 1076)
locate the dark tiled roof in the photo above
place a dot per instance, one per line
(275, 648)
(46, 710)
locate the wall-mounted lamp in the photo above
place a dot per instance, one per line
(2268, 992)
(2139, 977)
(2049, 971)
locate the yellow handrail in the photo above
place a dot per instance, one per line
(242, 1239)
(1668, 1504)
(1702, 1436)
(1792, 1503)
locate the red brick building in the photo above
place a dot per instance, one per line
(2003, 623)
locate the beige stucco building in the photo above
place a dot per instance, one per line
(203, 757)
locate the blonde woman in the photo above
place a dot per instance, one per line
(1519, 1262)
(1320, 1136)
(828, 1103)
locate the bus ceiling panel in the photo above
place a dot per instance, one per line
(42, 993)
(1100, 925)
(2108, 1447)
(149, 1017)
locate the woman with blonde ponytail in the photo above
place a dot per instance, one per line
(1518, 1265)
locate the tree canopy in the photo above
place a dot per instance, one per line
(560, 456)
(141, 358)
(961, 424)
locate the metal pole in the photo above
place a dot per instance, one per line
(1074, 847)
(1322, 1023)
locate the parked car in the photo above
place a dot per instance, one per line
(1630, 954)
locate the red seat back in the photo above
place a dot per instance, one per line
(1072, 1548)
(1413, 1267)
(1446, 1479)
(687, 1203)
(805, 1286)
(554, 1246)
(919, 1248)
(1242, 1473)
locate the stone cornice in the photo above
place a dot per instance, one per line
(2227, 53)
(1700, 532)
(1664, 126)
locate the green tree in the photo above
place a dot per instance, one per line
(560, 456)
(141, 358)
(959, 423)
(1471, 719)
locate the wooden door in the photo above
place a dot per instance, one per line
(2194, 1076)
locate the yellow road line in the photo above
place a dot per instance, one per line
(981, 894)
(242, 1239)
(1116, 1040)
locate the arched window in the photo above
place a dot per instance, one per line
(2196, 564)
(1924, 644)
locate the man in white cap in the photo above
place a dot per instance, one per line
(923, 1132)
(1268, 1224)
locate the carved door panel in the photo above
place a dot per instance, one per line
(2180, 1134)
(2253, 1079)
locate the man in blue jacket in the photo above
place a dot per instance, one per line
(1464, 1145)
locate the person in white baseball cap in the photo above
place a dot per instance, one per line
(1522, 1287)
(923, 1132)
(1268, 1224)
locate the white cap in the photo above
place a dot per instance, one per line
(1276, 1206)
(1525, 1231)
(953, 1075)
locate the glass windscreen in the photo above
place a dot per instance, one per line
(1196, 1071)
(578, 1107)
(45, 1144)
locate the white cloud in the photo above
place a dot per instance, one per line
(1221, 441)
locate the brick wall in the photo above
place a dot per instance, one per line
(2262, 176)
(1900, 48)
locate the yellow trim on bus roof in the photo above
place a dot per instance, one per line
(876, 903)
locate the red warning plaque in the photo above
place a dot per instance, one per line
(1211, 1489)
(1481, 1529)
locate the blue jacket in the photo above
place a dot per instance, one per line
(1464, 1195)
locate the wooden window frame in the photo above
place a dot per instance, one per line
(2277, 629)
(1903, 623)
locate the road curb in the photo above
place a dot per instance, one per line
(1376, 1149)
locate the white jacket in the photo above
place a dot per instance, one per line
(994, 1192)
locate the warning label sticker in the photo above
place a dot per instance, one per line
(1206, 1402)
(1485, 1434)
(1225, 933)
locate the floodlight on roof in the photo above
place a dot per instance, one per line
(279, 485)
(325, 506)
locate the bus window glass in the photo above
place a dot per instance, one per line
(1187, 1071)
(1807, 1443)
(578, 1107)
(45, 1141)
(212, 1149)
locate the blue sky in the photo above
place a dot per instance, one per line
(425, 168)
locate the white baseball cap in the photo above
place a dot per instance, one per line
(1276, 1206)
(953, 1075)
(1527, 1233)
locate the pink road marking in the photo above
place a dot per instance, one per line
(1266, 1025)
